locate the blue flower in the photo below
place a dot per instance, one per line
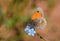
(30, 31)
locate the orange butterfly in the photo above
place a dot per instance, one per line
(38, 17)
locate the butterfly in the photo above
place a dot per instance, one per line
(37, 21)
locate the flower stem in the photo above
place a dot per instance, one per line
(41, 37)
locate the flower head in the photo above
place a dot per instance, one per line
(30, 31)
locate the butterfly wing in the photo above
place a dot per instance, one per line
(41, 23)
(36, 15)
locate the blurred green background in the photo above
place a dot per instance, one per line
(14, 15)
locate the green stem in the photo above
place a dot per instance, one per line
(41, 37)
